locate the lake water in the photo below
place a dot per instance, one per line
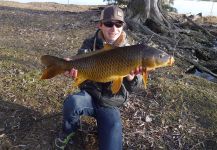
(78, 2)
(208, 8)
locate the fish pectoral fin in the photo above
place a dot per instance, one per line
(145, 77)
(116, 85)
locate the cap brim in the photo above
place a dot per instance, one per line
(110, 20)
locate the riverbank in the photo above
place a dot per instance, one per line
(177, 108)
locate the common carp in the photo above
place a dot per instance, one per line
(108, 65)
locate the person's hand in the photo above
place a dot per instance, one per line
(132, 74)
(73, 73)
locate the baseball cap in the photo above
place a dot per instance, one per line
(112, 13)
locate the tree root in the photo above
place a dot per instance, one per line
(140, 28)
(199, 27)
(198, 66)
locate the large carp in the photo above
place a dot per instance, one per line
(108, 65)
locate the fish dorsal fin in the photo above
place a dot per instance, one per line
(116, 85)
(107, 47)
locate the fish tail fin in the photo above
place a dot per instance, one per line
(54, 66)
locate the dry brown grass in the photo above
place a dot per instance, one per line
(177, 111)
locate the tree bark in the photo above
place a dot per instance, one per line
(147, 12)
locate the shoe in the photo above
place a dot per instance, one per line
(63, 140)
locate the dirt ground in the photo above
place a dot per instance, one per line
(177, 111)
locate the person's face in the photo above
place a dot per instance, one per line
(111, 30)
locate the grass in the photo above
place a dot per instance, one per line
(179, 105)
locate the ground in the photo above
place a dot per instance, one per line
(177, 111)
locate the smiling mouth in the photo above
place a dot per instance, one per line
(112, 34)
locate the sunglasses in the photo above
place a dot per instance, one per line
(111, 24)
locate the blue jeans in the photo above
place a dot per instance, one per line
(108, 119)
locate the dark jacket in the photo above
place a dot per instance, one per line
(101, 92)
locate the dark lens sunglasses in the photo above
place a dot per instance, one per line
(111, 24)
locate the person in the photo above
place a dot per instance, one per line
(96, 99)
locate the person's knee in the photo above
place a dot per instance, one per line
(77, 104)
(70, 102)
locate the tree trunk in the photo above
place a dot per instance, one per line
(147, 12)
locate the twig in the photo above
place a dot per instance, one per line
(194, 146)
(150, 38)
